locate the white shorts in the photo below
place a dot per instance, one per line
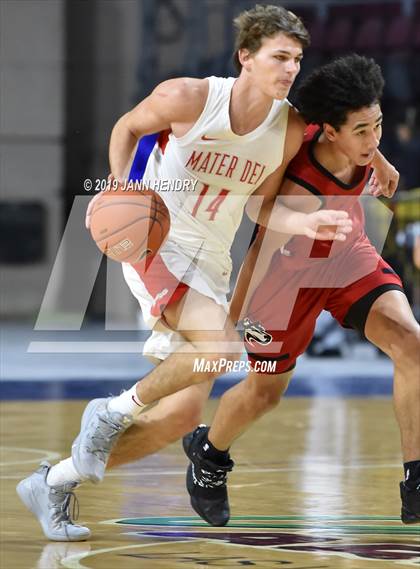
(166, 280)
(162, 344)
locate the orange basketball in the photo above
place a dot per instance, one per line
(129, 225)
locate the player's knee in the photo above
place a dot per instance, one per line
(404, 351)
(266, 395)
(185, 420)
(270, 398)
(189, 421)
(233, 346)
(269, 389)
(217, 356)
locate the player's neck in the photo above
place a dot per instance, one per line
(249, 106)
(332, 159)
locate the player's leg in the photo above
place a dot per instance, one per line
(244, 403)
(208, 448)
(256, 395)
(209, 333)
(169, 420)
(173, 417)
(391, 326)
(103, 421)
(47, 492)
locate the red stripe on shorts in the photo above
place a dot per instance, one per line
(160, 283)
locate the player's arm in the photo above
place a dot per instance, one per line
(321, 223)
(384, 181)
(277, 216)
(174, 104)
(295, 198)
(256, 262)
(265, 244)
(268, 190)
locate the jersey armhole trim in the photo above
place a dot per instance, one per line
(303, 183)
(189, 136)
(306, 185)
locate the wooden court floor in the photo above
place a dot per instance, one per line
(315, 486)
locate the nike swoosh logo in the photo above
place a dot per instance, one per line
(204, 137)
(132, 397)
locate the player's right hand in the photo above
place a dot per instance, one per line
(328, 225)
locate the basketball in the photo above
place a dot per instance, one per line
(129, 225)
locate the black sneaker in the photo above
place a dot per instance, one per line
(206, 481)
(410, 510)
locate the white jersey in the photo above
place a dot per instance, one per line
(224, 169)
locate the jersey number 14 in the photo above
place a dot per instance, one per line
(213, 206)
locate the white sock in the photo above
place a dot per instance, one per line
(127, 403)
(63, 473)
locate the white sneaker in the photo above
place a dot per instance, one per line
(99, 431)
(51, 505)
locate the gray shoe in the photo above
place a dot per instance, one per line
(99, 431)
(51, 505)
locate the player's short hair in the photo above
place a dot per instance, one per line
(265, 21)
(345, 85)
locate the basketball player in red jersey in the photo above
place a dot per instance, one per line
(341, 99)
(235, 136)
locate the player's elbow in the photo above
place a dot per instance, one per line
(125, 126)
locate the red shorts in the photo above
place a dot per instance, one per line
(283, 310)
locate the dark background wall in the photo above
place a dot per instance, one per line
(70, 68)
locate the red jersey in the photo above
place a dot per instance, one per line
(306, 171)
(281, 315)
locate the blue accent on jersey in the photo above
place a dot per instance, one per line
(144, 149)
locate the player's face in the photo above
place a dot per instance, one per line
(359, 137)
(273, 68)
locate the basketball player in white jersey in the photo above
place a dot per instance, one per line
(236, 137)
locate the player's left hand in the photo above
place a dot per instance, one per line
(328, 225)
(384, 181)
